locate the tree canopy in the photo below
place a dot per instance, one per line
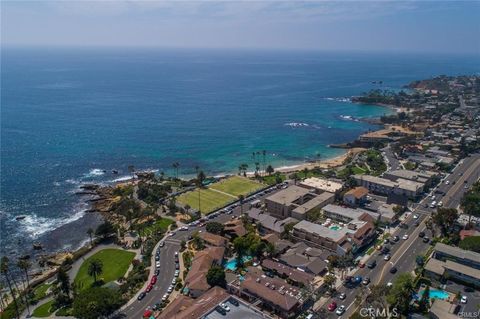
(471, 243)
(215, 228)
(96, 303)
(216, 276)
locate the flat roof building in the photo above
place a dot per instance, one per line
(385, 186)
(296, 202)
(321, 185)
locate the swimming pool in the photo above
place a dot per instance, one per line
(232, 263)
(435, 294)
(335, 227)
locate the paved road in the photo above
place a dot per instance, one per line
(135, 308)
(392, 160)
(404, 252)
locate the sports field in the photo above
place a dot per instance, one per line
(237, 185)
(219, 194)
(210, 200)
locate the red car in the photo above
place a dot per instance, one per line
(332, 306)
(149, 287)
(361, 265)
(154, 280)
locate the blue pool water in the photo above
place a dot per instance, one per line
(232, 263)
(335, 227)
(435, 294)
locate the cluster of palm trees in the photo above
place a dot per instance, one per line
(15, 292)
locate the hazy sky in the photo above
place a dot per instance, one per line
(437, 26)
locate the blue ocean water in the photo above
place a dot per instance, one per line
(70, 116)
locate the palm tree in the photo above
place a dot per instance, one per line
(264, 153)
(90, 233)
(4, 269)
(95, 268)
(241, 198)
(24, 265)
(175, 166)
(131, 169)
(200, 178)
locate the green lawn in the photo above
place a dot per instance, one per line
(115, 265)
(237, 185)
(160, 225)
(210, 200)
(358, 170)
(44, 310)
(40, 291)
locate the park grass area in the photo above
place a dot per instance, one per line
(210, 200)
(359, 170)
(44, 310)
(160, 225)
(40, 291)
(115, 265)
(237, 185)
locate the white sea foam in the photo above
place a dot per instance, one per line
(338, 99)
(35, 225)
(94, 173)
(296, 124)
(121, 179)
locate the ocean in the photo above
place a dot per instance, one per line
(72, 115)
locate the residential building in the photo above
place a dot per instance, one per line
(184, 307)
(356, 196)
(385, 186)
(299, 277)
(440, 270)
(338, 238)
(296, 202)
(272, 294)
(321, 185)
(196, 280)
(423, 177)
(269, 223)
(213, 239)
(234, 228)
(465, 257)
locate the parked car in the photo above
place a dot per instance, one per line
(157, 257)
(153, 281)
(361, 264)
(426, 240)
(221, 310)
(162, 244)
(340, 310)
(405, 237)
(157, 272)
(358, 279)
(464, 299)
(174, 281)
(149, 288)
(141, 295)
(396, 238)
(342, 296)
(332, 306)
(170, 289)
(372, 264)
(157, 264)
(366, 281)
(393, 270)
(387, 257)
(421, 234)
(234, 302)
(224, 306)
